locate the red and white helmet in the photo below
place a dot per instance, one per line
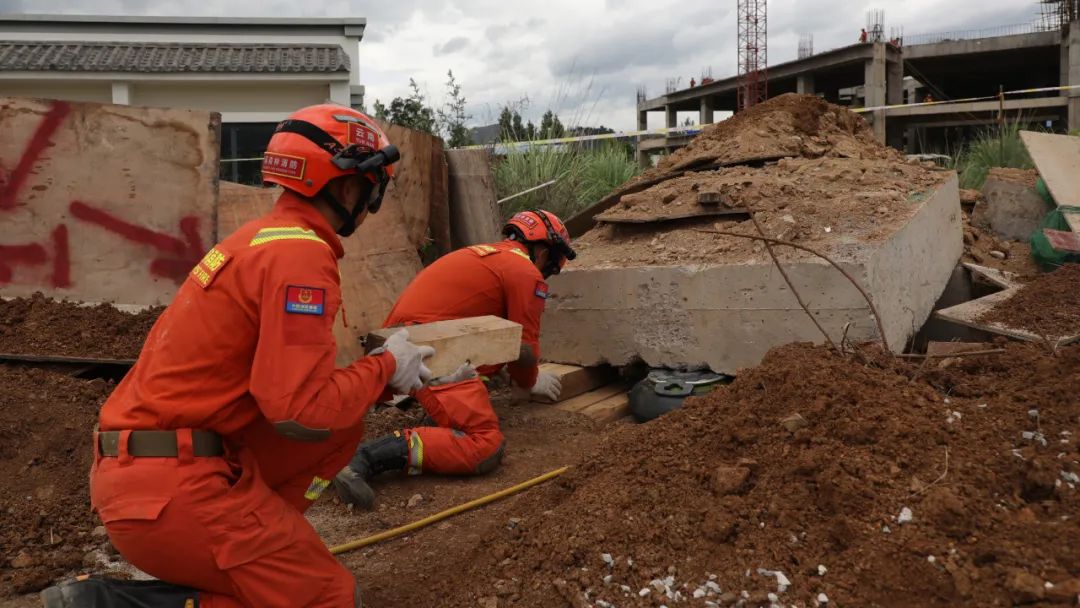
(317, 144)
(539, 226)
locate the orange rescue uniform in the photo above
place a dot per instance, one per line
(495, 279)
(247, 342)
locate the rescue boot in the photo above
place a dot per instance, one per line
(389, 453)
(99, 592)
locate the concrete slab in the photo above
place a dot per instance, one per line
(102, 202)
(1009, 209)
(969, 313)
(725, 316)
(1057, 157)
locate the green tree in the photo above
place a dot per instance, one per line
(530, 131)
(506, 124)
(550, 126)
(412, 111)
(380, 111)
(452, 115)
(519, 128)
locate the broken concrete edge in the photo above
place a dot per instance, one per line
(725, 317)
(968, 314)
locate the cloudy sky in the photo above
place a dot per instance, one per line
(582, 58)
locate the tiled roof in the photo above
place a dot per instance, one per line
(16, 56)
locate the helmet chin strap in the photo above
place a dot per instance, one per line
(348, 219)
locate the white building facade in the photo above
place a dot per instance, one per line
(254, 71)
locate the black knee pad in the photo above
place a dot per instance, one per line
(489, 464)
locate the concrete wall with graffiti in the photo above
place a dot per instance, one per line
(104, 203)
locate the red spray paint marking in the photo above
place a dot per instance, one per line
(179, 255)
(9, 190)
(129, 231)
(61, 276)
(29, 255)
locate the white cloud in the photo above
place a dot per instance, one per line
(585, 59)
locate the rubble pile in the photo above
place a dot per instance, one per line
(827, 182)
(814, 478)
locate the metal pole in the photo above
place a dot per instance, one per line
(543, 185)
(1001, 125)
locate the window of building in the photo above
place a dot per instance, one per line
(242, 147)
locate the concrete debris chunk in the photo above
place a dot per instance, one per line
(794, 422)
(782, 582)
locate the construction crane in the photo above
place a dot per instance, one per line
(753, 53)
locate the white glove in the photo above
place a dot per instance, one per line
(465, 372)
(410, 373)
(547, 386)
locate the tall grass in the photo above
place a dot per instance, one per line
(991, 148)
(584, 176)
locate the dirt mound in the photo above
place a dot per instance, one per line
(46, 423)
(788, 125)
(40, 326)
(1049, 305)
(885, 494)
(1027, 177)
(982, 247)
(823, 202)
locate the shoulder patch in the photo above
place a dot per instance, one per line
(483, 250)
(305, 300)
(541, 290)
(206, 270)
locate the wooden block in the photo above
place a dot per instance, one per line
(481, 341)
(576, 380)
(581, 402)
(610, 409)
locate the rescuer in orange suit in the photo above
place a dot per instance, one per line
(234, 419)
(504, 279)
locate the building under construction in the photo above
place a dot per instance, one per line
(898, 76)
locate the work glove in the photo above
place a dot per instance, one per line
(547, 385)
(465, 372)
(410, 373)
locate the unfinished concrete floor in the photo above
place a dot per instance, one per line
(677, 297)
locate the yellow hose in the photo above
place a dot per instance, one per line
(441, 515)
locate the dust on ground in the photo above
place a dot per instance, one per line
(983, 248)
(1048, 305)
(55, 529)
(952, 483)
(540, 438)
(41, 326)
(46, 427)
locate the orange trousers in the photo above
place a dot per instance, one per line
(467, 439)
(232, 527)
